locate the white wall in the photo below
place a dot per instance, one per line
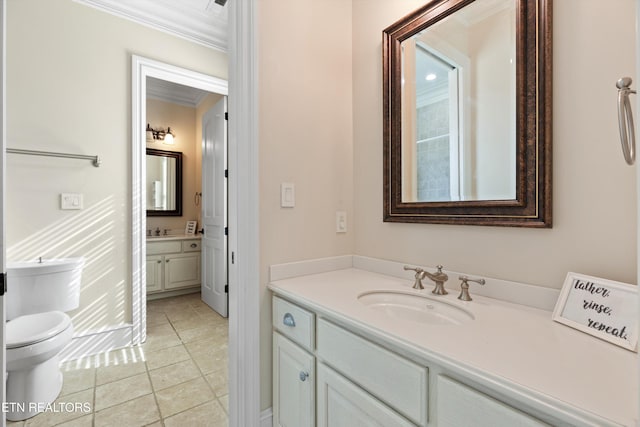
(69, 90)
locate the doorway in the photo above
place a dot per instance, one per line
(144, 69)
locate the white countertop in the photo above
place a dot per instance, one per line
(172, 237)
(506, 343)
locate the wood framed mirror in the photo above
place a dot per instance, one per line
(164, 182)
(467, 114)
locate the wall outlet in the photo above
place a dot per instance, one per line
(71, 201)
(341, 222)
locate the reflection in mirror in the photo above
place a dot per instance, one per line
(458, 104)
(164, 183)
(467, 114)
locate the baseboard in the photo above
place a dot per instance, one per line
(91, 343)
(266, 418)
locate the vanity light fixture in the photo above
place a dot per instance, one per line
(166, 136)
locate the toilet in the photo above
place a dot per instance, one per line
(37, 330)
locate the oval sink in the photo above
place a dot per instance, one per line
(417, 308)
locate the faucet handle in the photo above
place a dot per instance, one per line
(419, 276)
(464, 287)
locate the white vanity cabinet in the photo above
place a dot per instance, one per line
(356, 382)
(294, 373)
(173, 265)
(329, 373)
(460, 405)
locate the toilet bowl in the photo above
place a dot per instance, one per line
(33, 344)
(37, 331)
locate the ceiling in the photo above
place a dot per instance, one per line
(200, 21)
(174, 92)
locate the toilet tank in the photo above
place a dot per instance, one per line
(43, 285)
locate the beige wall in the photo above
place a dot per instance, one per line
(305, 136)
(594, 201)
(306, 114)
(186, 123)
(182, 120)
(75, 62)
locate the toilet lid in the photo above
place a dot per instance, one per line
(33, 328)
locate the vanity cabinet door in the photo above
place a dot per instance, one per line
(459, 405)
(343, 404)
(154, 273)
(181, 270)
(293, 384)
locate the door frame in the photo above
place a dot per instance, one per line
(243, 161)
(3, 246)
(141, 68)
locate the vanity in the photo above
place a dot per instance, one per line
(356, 347)
(173, 265)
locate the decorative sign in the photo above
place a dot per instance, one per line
(190, 228)
(600, 307)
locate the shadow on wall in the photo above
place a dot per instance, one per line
(88, 233)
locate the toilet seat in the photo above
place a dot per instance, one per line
(33, 328)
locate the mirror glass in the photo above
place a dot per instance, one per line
(164, 183)
(467, 101)
(458, 105)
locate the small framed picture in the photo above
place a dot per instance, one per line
(600, 307)
(191, 227)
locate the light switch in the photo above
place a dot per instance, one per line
(287, 195)
(341, 222)
(71, 201)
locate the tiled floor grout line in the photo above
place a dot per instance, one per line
(195, 313)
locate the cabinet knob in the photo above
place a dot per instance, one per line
(304, 375)
(167, 260)
(288, 320)
(193, 245)
(159, 261)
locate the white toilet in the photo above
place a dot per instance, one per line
(37, 330)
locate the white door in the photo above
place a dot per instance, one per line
(214, 208)
(3, 137)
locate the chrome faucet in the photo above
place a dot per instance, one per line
(438, 277)
(157, 231)
(464, 287)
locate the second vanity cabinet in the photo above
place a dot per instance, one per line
(326, 374)
(172, 265)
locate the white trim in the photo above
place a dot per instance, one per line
(266, 418)
(92, 343)
(3, 184)
(141, 68)
(244, 279)
(195, 26)
(313, 266)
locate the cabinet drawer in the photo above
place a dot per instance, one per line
(294, 322)
(191, 245)
(400, 383)
(460, 405)
(157, 248)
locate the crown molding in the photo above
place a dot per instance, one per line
(200, 21)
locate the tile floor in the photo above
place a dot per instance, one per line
(178, 377)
